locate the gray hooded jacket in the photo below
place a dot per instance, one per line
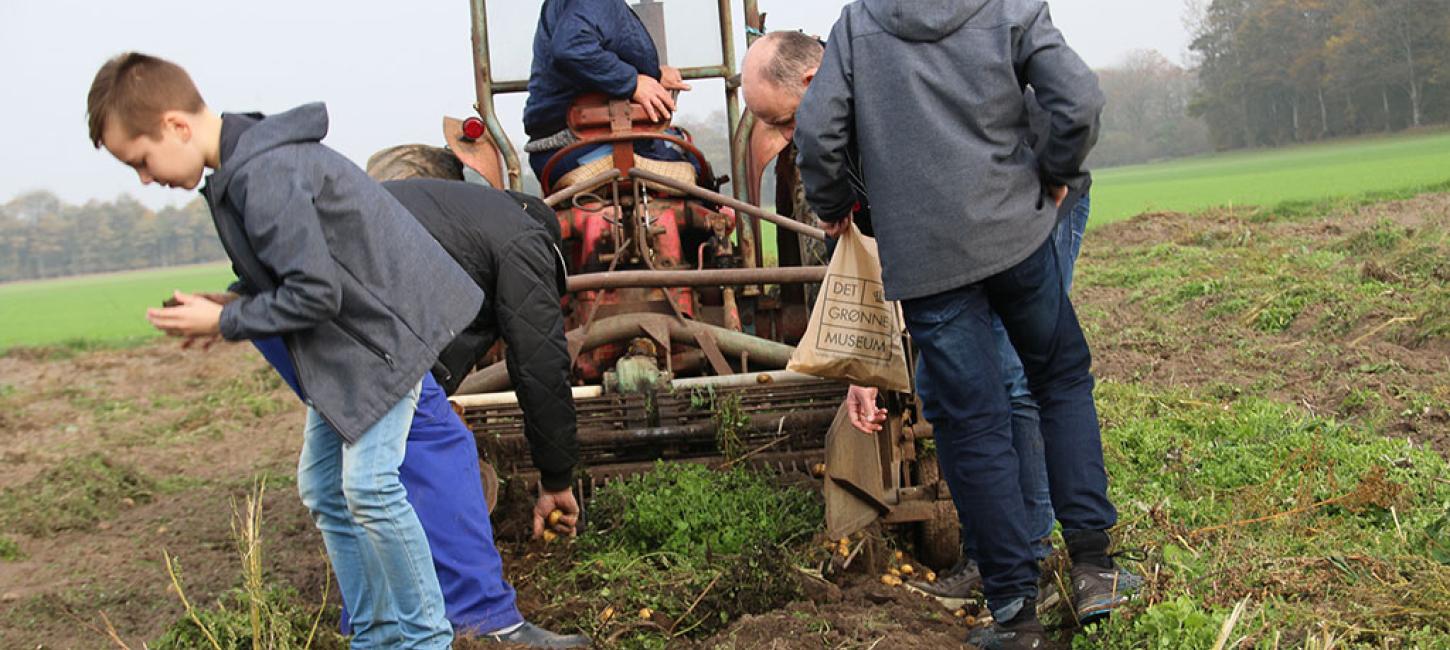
(327, 259)
(930, 92)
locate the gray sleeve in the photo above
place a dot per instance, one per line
(1067, 89)
(283, 229)
(824, 131)
(239, 286)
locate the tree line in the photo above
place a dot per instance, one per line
(1273, 72)
(1263, 73)
(43, 237)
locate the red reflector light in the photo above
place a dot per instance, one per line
(473, 128)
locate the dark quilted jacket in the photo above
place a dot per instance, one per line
(514, 258)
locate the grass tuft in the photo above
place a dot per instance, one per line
(259, 615)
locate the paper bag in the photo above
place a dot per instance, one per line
(854, 333)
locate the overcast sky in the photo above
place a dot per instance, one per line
(388, 69)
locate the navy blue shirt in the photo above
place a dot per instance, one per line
(583, 46)
(275, 352)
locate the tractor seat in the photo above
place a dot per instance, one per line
(618, 125)
(676, 170)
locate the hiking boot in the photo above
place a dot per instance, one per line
(1023, 632)
(533, 636)
(1099, 585)
(961, 582)
(1097, 590)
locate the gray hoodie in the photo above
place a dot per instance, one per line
(930, 92)
(327, 259)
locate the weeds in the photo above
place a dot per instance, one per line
(10, 550)
(691, 510)
(258, 615)
(74, 495)
(1315, 521)
(694, 546)
(730, 420)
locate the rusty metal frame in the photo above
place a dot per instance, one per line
(781, 221)
(697, 278)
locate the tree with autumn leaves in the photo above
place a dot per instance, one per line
(1274, 72)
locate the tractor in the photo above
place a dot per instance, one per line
(678, 328)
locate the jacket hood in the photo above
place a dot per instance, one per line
(922, 20)
(306, 123)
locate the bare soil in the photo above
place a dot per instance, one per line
(203, 451)
(204, 424)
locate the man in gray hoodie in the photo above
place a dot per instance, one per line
(931, 95)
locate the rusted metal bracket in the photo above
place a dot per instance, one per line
(711, 348)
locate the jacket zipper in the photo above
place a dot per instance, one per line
(358, 338)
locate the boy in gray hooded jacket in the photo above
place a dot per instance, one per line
(931, 95)
(363, 298)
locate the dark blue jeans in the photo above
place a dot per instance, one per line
(1026, 418)
(960, 382)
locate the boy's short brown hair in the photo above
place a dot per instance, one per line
(136, 89)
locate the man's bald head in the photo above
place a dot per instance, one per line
(777, 70)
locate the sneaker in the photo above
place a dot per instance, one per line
(961, 582)
(533, 636)
(1023, 632)
(1098, 590)
(964, 582)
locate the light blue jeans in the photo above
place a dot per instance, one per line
(1026, 419)
(372, 534)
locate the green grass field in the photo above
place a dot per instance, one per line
(1268, 177)
(96, 308)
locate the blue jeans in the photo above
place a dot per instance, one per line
(1026, 421)
(440, 473)
(960, 381)
(372, 534)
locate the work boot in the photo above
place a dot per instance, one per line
(533, 636)
(1099, 585)
(1023, 632)
(961, 582)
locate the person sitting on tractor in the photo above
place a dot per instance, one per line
(585, 46)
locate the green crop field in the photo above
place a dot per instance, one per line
(96, 308)
(1269, 177)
